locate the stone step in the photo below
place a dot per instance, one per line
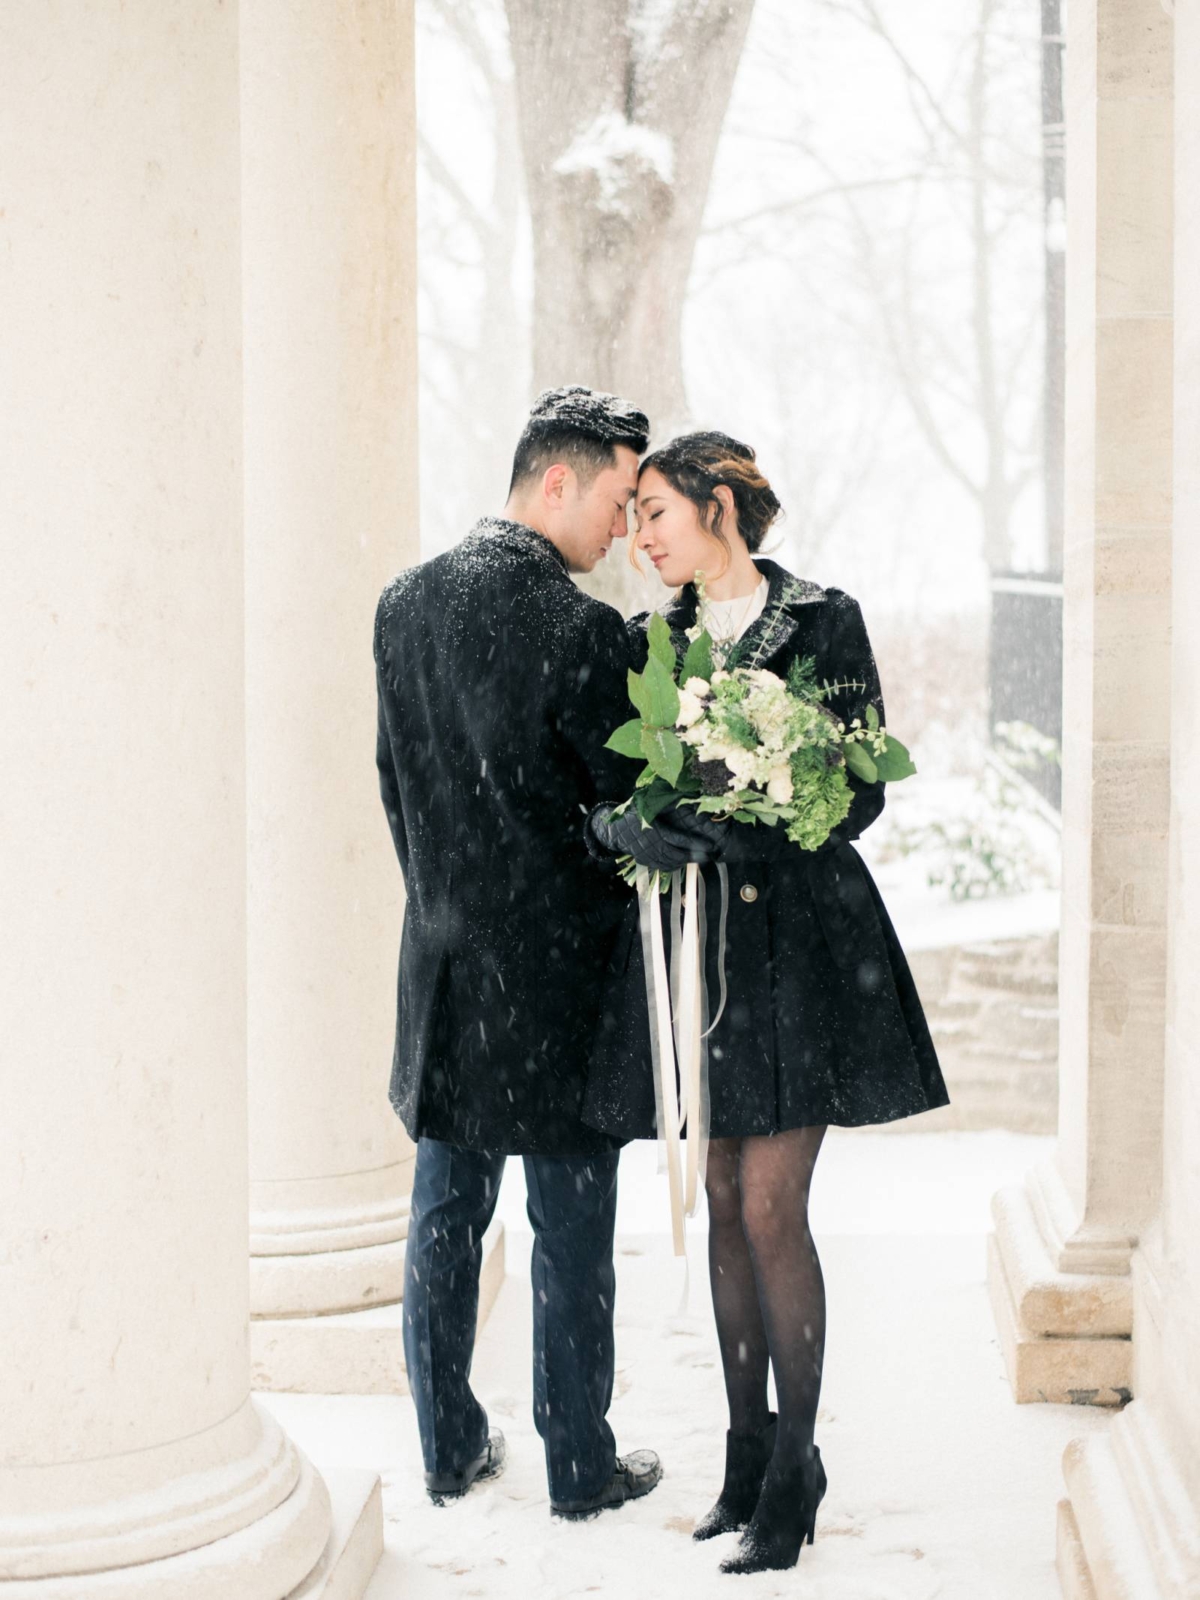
(988, 1055)
(1007, 1031)
(1003, 952)
(978, 1066)
(972, 981)
(977, 1113)
(957, 1007)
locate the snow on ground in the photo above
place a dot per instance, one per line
(939, 1485)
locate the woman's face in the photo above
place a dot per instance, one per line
(671, 533)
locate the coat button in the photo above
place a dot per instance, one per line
(748, 893)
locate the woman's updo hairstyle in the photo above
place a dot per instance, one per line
(696, 463)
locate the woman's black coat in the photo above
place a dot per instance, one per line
(499, 681)
(823, 1023)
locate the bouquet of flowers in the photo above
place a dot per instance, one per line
(742, 743)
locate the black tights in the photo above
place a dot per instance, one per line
(768, 1291)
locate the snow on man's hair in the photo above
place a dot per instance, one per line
(591, 411)
(580, 427)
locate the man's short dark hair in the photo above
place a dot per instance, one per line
(580, 428)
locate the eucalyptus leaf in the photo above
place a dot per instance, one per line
(627, 740)
(872, 718)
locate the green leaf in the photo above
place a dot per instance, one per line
(713, 802)
(662, 649)
(639, 693)
(651, 801)
(860, 762)
(646, 777)
(662, 697)
(698, 662)
(895, 762)
(872, 718)
(627, 740)
(663, 751)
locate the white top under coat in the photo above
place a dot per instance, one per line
(728, 619)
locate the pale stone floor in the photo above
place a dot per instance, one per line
(939, 1484)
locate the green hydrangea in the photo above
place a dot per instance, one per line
(820, 800)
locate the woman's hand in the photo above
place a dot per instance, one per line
(740, 842)
(664, 846)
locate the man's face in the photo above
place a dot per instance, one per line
(588, 520)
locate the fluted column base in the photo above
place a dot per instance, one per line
(325, 1245)
(1129, 1528)
(236, 1509)
(1062, 1298)
(356, 1352)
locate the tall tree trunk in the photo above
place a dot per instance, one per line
(620, 106)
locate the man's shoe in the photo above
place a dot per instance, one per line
(633, 1476)
(489, 1463)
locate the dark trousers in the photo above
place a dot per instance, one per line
(572, 1207)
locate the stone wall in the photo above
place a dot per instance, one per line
(993, 1013)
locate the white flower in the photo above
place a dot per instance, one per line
(741, 763)
(696, 686)
(691, 707)
(779, 786)
(720, 676)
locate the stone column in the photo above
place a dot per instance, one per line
(132, 1460)
(1132, 1524)
(1060, 1258)
(329, 274)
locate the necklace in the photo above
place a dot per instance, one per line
(731, 628)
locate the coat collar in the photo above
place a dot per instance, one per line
(518, 536)
(787, 596)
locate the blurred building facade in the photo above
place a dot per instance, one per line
(1094, 1267)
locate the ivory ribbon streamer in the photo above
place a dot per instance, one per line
(662, 1043)
(677, 1005)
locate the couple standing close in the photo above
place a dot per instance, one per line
(522, 1026)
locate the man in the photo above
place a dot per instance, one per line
(499, 682)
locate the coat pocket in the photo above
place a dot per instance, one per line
(845, 908)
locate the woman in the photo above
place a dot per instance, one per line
(822, 1022)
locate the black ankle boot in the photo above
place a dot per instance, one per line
(784, 1517)
(746, 1459)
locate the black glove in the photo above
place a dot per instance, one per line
(737, 843)
(662, 847)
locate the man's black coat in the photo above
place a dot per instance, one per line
(499, 681)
